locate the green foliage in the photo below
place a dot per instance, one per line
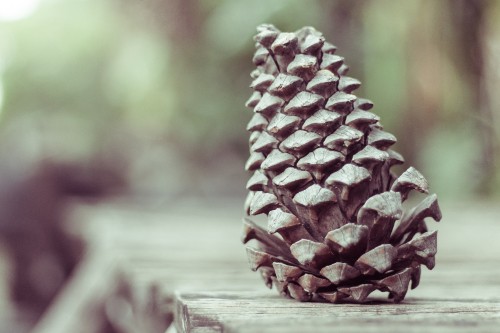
(87, 69)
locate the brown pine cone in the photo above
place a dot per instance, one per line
(321, 165)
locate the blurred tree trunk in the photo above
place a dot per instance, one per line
(454, 31)
(424, 83)
(468, 18)
(181, 20)
(191, 132)
(344, 28)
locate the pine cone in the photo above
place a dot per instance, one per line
(321, 173)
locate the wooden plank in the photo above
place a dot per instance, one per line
(457, 325)
(174, 251)
(94, 282)
(454, 295)
(267, 312)
(151, 253)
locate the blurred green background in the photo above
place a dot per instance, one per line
(154, 90)
(145, 99)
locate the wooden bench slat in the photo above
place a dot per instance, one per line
(266, 312)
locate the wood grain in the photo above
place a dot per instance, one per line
(454, 296)
(264, 312)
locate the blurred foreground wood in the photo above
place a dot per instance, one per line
(145, 269)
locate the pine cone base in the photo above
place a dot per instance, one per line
(336, 228)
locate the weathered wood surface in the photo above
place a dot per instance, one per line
(80, 306)
(147, 253)
(391, 324)
(152, 254)
(264, 312)
(449, 299)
